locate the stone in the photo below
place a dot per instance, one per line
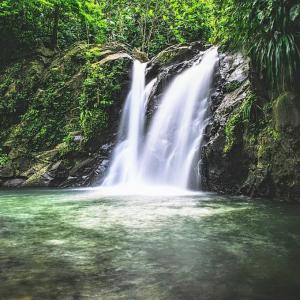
(286, 111)
(57, 171)
(7, 170)
(140, 55)
(112, 57)
(37, 179)
(265, 163)
(222, 172)
(13, 183)
(78, 169)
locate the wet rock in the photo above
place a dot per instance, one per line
(82, 167)
(165, 66)
(57, 173)
(264, 163)
(7, 170)
(225, 172)
(286, 111)
(13, 183)
(100, 171)
(177, 54)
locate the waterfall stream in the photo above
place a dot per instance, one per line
(165, 154)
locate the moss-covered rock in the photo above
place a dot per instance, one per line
(177, 54)
(286, 111)
(48, 97)
(7, 170)
(254, 143)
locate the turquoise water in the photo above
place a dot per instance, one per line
(81, 245)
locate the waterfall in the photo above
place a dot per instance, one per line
(124, 166)
(165, 154)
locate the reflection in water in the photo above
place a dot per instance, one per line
(79, 245)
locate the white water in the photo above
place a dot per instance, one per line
(166, 154)
(124, 166)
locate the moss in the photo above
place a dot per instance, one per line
(169, 55)
(230, 131)
(94, 53)
(242, 118)
(101, 86)
(286, 111)
(4, 159)
(35, 179)
(41, 107)
(231, 86)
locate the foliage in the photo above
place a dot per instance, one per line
(69, 145)
(230, 131)
(102, 84)
(4, 159)
(268, 30)
(243, 117)
(153, 25)
(44, 106)
(149, 25)
(231, 86)
(26, 23)
(17, 84)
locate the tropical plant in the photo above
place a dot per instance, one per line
(268, 30)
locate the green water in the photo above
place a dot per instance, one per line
(78, 245)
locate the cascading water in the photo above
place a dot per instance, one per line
(166, 154)
(177, 128)
(126, 155)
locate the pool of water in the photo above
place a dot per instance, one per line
(74, 244)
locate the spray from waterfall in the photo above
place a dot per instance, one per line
(165, 154)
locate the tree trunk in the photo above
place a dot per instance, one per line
(53, 42)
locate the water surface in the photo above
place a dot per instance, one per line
(80, 245)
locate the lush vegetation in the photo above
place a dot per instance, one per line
(149, 25)
(268, 30)
(41, 105)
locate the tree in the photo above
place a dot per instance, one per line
(24, 23)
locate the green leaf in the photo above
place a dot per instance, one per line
(295, 12)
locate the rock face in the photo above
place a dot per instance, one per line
(166, 65)
(253, 143)
(219, 163)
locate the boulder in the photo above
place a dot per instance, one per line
(7, 170)
(286, 111)
(13, 183)
(82, 167)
